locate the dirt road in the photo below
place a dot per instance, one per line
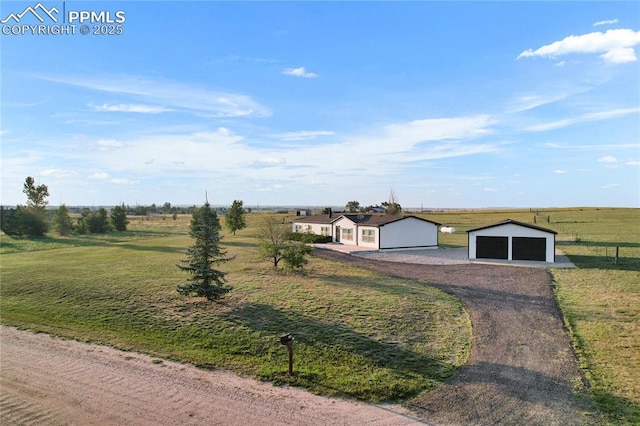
(50, 381)
(522, 370)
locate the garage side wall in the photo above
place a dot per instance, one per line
(512, 231)
(408, 233)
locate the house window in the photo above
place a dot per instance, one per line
(368, 236)
(325, 230)
(347, 234)
(309, 228)
(298, 228)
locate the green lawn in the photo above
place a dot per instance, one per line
(358, 334)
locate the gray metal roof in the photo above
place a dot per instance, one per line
(514, 222)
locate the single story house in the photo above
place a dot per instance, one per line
(378, 232)
(512, 240)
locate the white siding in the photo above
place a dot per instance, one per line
(408, 233)
(368, 236)
(344, 224)
(314, 228)
(511, 230)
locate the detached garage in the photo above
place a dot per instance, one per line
(512, 240)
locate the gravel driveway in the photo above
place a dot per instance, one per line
(522, 369)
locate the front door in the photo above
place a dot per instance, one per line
(337, 234)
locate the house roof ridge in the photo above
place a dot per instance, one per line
(514, 222)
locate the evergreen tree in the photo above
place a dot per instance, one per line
(33, 218)
(119, 218)
(353, 206)
(234, 219)
(10, 221)
(62, 221)
(96, 222)
(36, 195)
(205, 281)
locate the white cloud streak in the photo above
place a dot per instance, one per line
(616, 46)
(594, 116)
(143, 109)
(605, 147)
(609, 159)
(302, 135)
(606, 22)
(528, 101)
(299, 72)
(166, 95)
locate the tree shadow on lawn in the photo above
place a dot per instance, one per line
(225, 242)
(161, 249)
(322, 335)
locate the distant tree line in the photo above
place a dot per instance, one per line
(390, 207)
(34, 220)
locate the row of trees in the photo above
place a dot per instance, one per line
(33, 220)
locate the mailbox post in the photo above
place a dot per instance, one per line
(287, 340)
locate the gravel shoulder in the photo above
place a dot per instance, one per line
(522, 369)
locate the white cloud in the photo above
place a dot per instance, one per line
(225, 156)
(609, 159)
(605, 22)
(99, 176)
(270, 161)
(433, 129)
(560, 172)
(302, 135)
(271, 188)
(122, 181)
(593, 116)
(632, 163)
(106, 144)
(138, 108)
(609, 185)
(59, 173)
(528, 101)
(299, 72)
(616, 46)
(603, 147)
(168, 95)
(105, 177)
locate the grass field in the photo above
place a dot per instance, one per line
(358, 334)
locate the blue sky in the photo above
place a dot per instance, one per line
(458, 104)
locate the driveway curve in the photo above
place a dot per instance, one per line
(522, 368)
